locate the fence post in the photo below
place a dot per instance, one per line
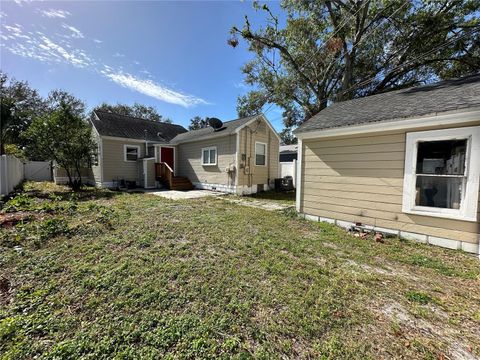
(3, 175)
(295, 173)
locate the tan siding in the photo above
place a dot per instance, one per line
(258, 132)
(360, 179)
(189, 161)
(114, 165)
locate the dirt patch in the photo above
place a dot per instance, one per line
(456, 349)
(9, 220)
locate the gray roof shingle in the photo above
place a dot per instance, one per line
(110, 124)
(228, 128)
(411, 102)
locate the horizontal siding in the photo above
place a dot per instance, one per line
(260, 132)
(360, 179)
(189, 161)
(114, 166)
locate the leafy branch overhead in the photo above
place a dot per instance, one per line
(318, 52)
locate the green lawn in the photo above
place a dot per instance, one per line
(113, 275)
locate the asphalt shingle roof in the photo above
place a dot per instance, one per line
(110, 124)
(228, 128)
(411, 102)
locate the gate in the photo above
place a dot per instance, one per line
(38, 171)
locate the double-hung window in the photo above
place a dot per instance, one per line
(209, 156)
(260, 154)
(131, 152)
(442, 169)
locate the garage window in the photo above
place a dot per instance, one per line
(441, 174)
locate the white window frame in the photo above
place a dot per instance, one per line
(469, 199)
(216, 156)
(266, 153)
(125, 147)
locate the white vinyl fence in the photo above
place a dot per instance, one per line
(288, 169)
(11, 173)
(38, 171)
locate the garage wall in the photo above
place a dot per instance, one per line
(360, 179)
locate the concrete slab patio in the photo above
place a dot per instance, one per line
(184, 195)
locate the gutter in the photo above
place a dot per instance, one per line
(439, 119)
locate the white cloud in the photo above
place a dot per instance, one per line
(76, 57)
(54, 49)
(3, 14)
(21, 2)
(15, 32)
(152, 89)
(97, 41)
(55, 13)
(75, 33)
(40, 47)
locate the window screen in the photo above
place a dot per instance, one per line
(440, 172)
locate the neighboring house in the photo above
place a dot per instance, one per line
(239, 157)
(288, 153)
(288, 162)
(404, 162)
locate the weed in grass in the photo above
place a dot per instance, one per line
(143, 277)
(418, 297)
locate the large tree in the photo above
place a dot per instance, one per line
(333, 50)
(136, 110)
(198, 122)
(62, 135)
(19, 105)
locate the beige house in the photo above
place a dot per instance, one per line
(240, 156)
(405, 162)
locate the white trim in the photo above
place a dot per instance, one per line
(259, 117)
(298, 185)
(422, 238)
(455, 118)
(145, 173)
(266, 153)
(125, 152)
(209, 148)
(231, 189)
(469, 200)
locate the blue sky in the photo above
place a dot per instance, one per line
(171, 55)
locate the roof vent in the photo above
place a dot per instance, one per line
(215, 123)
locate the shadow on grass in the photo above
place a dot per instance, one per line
(285, 196)
(51, 191)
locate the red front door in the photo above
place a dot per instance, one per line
(166, 156)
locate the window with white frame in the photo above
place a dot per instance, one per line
(260, 154)
(131, 152)
(209, 156)
(442, 171)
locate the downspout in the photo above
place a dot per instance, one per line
(146, 143)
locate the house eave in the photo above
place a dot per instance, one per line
(456, 117)
(134, 140)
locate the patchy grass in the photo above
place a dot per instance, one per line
(112, 275)
(286, 197)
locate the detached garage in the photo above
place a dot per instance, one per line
(405, 162)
